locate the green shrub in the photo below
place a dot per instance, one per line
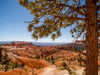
(22, 65)
(64, 65)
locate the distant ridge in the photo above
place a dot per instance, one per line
(5, 42)
(50, 43)
(39, 43)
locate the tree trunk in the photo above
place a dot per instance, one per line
(91, 39)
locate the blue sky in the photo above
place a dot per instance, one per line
(13, 28)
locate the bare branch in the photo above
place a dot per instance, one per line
(28, 22)
(81, 7)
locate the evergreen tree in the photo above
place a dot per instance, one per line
(52, 59)
(0, 54)
(52, 15)
(22, 65)
(16, 64)
(6, 67)
(6, 62)
(64, 65)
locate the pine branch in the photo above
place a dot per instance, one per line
(75, 18)
(73, 8)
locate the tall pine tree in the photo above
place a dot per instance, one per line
(82, 15)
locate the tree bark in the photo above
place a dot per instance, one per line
(91, 39)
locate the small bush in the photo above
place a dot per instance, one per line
(22, 65)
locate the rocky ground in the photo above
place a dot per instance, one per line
(50, 60)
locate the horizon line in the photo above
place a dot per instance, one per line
(37, 41)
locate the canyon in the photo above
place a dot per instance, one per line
(47, 60)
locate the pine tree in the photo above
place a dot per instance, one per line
(16, 64)
(6, 67)
(64, 65)
(0, 54)
(82, 15)
(6, 62)
(52, 59)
